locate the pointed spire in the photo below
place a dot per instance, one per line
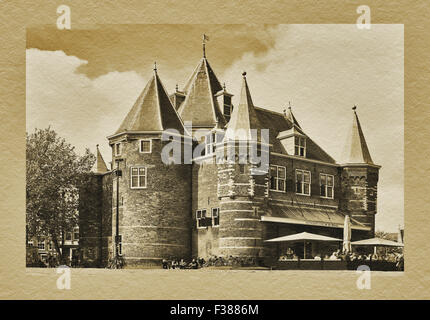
(205, 38)
(155, 67)
(290, 116)
(153, 110)
(99, 166)
(356, 150)
(244, 117)
(200, 105)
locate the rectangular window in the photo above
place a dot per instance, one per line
(303, 182)
(299, 146)
(138, 177)
(326, 186)
(145, 146)
(68, 236)
(117, 149)
(277, 178)
(211, 140)
(76, 235)
(30, 243)
(201, 216)
(41, 245)
(242, 168)
(215, 217)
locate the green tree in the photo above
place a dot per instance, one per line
(54, 172)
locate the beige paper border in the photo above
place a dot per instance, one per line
(19, 283)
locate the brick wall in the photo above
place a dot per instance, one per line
(204, 181)
(90, 204)
(359, 193)
(154, 222)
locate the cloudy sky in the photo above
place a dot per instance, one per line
(83, 82)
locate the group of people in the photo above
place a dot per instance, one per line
(350, 256)
(181, 264)
(212, 261)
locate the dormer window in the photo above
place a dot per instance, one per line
(299, 146)
(294, 141)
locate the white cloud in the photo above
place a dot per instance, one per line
(80, 109)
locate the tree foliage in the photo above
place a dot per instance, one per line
(53, 171)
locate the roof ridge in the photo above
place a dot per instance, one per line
(268, 110)
(158, 99)
(210, 90)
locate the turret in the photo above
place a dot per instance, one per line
(153, 198)
(359, 179)
(240, 188)
(95, 215)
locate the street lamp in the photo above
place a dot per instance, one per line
(118, 261)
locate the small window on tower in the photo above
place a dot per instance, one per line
(201, 218)
(227, 110)
(117, 149)
(138, 177)
(146, 146)
(41, 245)
(211, 140)
(215, 217)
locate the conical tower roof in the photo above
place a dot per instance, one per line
(356, 150)
(152, 111)
(244, 117)
(200, 105)
(99, 166)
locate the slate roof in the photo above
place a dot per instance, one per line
(99, 166)
(244, 118)
(277, 122)
(200, 105)
(152, 111)
(356, 150)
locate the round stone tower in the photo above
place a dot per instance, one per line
(153, 196)
(242, 184)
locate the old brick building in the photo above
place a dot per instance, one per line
(212, 206)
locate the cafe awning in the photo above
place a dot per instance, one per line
(312, 216)
(303, 236)
(377, 242)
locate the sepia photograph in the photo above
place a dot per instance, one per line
(255, 147)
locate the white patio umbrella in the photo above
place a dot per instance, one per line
(377, 242)
(347, 234)
(303, 236)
